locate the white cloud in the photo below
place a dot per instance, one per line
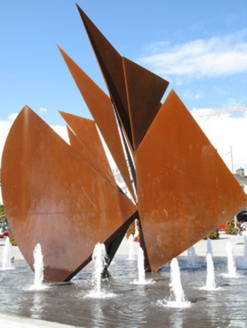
(61, 130)
(4, 128)
(12, 117)
(6, 125)
(192, 94)
(218, 56)
(225, 131)
(42, 110)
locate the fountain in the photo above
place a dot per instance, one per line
(230, 262)
(141, 269)
(38, 269)
(191, 257)
(99, 258)
(136, 229)
(210, 281)
(133, 305)
(176, 289)
(6, 260)
(209, 246)
(131, 247)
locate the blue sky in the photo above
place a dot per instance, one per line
(199, 46)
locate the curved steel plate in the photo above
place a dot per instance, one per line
(54, 197)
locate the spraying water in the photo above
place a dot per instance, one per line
(136, 229)
(210, 282)
(6, 260)
(38, 269)
(176, 289)
(191, 257)
(141, 269)
(131, 247)
(175, 283)
(230, 262)
(209, 246)
(99, 258)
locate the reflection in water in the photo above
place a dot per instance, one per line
(97, 314)
(6, 260)
(38, 305)
(177, 320)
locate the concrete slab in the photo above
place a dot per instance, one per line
(14, 321)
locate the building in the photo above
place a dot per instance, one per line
(241, 178)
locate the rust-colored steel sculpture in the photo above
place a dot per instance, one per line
(101, 109)
(110, 63)
(144, 92)
(91, 146)
(65, 197)
(55, 198)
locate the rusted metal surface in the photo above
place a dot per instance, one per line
(89, 157)
(101, 109)
(110, 63)
(52, 196)
(144, 92)
(185, 190)
(91, 146)
(65, 198)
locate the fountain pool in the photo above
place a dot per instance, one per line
(133, 305)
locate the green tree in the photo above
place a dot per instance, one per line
(3, 221)
(2, 212)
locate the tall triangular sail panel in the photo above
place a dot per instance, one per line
(185, 190)
(144, 92)
(111, 66)
(101, 109)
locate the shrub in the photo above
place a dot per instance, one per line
(213, 235)
(230, 227)
(12, 239)
(1, 210)
(131, 231)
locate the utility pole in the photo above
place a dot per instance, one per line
(232, 159)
